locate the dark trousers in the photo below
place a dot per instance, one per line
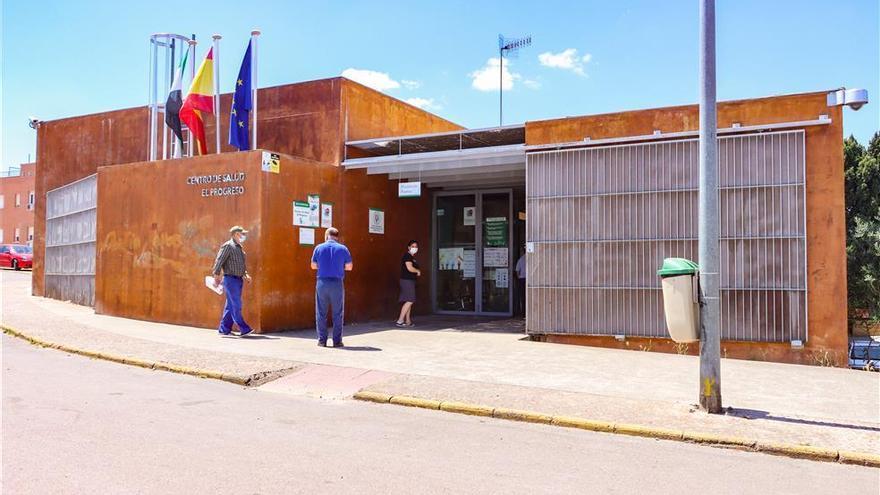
(329, 293)
(232, 311)
(520, 309)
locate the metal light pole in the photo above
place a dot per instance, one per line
(710, 331)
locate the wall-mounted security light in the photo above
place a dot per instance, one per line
(34, 122)
(853, 98)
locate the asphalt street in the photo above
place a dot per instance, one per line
(77, 425)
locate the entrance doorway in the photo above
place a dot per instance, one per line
(472, 260)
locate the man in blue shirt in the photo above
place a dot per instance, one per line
(331, 259)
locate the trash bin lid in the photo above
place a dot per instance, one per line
(677, 266)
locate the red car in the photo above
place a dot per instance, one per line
(16, 256)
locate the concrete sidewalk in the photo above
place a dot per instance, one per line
(488, 362)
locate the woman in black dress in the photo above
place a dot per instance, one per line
(409, 271)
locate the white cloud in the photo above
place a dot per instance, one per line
(532, 84)
(424, 103)
(411, 84)
(377, 80)
(567, 59)
(486, 78)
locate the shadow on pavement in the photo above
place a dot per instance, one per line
(431, 323)
(758, 414)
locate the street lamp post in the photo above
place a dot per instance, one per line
(710, 331)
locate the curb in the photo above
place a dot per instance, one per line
(708, 439)
(153, 365)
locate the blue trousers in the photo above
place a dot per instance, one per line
(329, 293)
(232, 310)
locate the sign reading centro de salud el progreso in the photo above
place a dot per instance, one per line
(224, 184)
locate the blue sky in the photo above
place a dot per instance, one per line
(66, 58)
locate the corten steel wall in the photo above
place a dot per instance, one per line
(307, 119)
(153, 254)
(304, 119)
(12, 217)
(73, 148)
(826, 264)
(366, 114)
(372, 114)
(149, 266)
(157, 238)
(371, 289)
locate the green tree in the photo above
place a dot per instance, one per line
(862, 172)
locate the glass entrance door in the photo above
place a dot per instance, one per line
(495, 242)
(472, 258)
(455, 256)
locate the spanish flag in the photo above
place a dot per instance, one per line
(200, 99)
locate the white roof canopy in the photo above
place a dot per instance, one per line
(468, 158)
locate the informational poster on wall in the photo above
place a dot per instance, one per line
(496, 231)
(470, 215)
(307, 236)
(301, 214)
(314, 210)
(451, 258)
(327, 215)
(469, 263)
(495, 257)
(271, 162)
(377, 221)
(502, 278)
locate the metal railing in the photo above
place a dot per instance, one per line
(11, 172)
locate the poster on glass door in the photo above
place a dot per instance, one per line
(495, 257)
(469, 263)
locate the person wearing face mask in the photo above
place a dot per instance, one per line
(409, 271)
(231, 263)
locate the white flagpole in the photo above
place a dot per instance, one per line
(217, 89)
(254, 34)
(192, 75)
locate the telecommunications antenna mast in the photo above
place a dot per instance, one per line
(507, 46)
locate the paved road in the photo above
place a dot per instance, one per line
(75, 425)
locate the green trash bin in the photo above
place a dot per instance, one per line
(681, 301)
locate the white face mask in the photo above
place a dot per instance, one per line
(413, 251)
(242, 238)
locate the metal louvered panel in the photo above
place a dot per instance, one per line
(601, 220)
(71, 221)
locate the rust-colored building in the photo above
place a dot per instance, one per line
(17, 200)
(592, 203)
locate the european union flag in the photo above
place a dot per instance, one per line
(241, 105)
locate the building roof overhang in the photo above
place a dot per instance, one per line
(467, 158)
